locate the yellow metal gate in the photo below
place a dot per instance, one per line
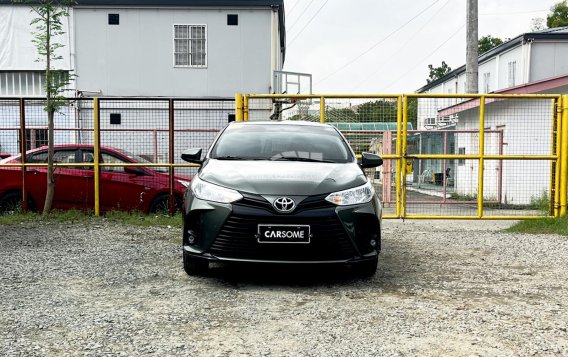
(447, 156)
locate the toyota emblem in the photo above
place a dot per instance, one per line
(284, 204)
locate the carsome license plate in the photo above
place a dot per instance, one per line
(283, 233)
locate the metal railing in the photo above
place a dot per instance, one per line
(535, 128)
(157, 128)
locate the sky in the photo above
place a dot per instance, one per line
(381, 46)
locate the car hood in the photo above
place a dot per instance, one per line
(283, 177)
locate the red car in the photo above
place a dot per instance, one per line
(122, 188)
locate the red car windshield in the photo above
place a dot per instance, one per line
(141, 160)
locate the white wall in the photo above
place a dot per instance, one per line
(17, 52)
(502, 75)
(526, 126)
(135, 58)
(548, 59)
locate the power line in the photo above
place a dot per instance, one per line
(299, 17)
(426, 57)
(293, 7)
(393, 54)
(377, 43)
(306, 25)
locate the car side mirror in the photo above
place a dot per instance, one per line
(133, 170)
(369, 160)
(192, 156)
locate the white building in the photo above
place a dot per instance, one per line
(528, 64)
(170, 48)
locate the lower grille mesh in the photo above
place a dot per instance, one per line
(237, 238)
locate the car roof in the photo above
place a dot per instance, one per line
(281, 122)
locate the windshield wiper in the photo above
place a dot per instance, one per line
(294, 158)
(230, 157)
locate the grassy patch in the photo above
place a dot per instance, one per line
(145, 220)
(75, 216)
(542, 226)
(541, 202)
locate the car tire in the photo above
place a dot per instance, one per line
(194, 266)
(11, 203)
(367, 268)
(161, 204)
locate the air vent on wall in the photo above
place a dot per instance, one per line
(233, 20)
(115, 118)
(113, 19)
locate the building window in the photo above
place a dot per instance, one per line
(22, 84)
(190, 45)
(512, 73)
(35, 138)
(27, 83)
(461, 151)
(486, 82)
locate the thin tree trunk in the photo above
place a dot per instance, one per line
(50, 169)
(50, 115)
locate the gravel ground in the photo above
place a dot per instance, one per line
(443, 288)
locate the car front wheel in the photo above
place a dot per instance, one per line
(11, 203)
(161, 204)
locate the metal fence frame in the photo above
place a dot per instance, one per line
(96, 165)
(558, 156)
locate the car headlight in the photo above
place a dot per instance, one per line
(210, 192)
(184, 183)
(352, 196)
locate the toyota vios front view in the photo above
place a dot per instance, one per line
(281, 192)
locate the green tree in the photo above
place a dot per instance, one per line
(488, 42)
(413, 112)
(558, 16)
(46, 27)
(438, 72)
(377, 111)
(341, 115)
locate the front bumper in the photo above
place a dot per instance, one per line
(226, 232)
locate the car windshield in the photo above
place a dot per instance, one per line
(142, 160)
(281, 142)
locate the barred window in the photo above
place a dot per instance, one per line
(29, 83)
(190, 45)
(486, 82)
(35, 138)
(512, 66)
(22, 84)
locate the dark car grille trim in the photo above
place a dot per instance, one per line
(309, 203)
(237, 239)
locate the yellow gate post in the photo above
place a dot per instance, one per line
(556, 151)
(322, 110)
(96, 150)
(399, 115)
(403, 158)
(239, 116)
(245, 108)
(481, 156)
(564, 156)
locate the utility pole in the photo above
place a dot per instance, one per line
(471, 62)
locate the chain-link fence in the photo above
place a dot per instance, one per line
(139, 141)
(470, 156)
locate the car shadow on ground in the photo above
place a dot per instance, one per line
(239, 275)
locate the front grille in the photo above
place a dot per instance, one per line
(309, 203)
(237, 238)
